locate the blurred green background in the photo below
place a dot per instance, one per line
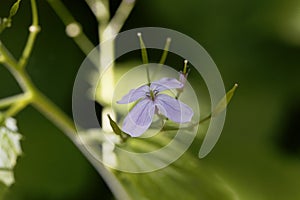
(255, 43)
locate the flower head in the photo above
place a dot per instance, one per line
(10, 149)
(150, 102)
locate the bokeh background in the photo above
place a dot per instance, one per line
(255, 43)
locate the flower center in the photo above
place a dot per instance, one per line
(152, 94)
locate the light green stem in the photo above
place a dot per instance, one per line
(62, 121)
(38, 100)
(16, 108)
(31, 93)
(11, 100)
(54, 114)
(6, 57)
(120, 16)
(205, 119)
(45, 106)
(163, 58)
(42, 103)
(33, 31)
(64, 14)
(144, 56)
(166, 51)
(103, 16)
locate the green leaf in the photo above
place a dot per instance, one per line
(187, 178)
(221, 106)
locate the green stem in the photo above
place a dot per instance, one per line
(11, 100)
(166, 51)
(122, 13)
(64, 14)
(45, 106)
(102, 16)
(204, 119)
(16, 108)
(38, 100)
(53, 113)
(144, 56)
(33, 31)
(172, 128)
(6, 57)
(62, 121)
(163, 57)
(50, 110)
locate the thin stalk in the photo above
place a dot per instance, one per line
(205, 119)
(16, 108)
(144, 56)
(163, 57)
(63, 122)
(6, 57)
(11, 100)
(38, 100)
(33, 31)
(64, 14)
(166, 51)
(121, 15)
(100, 9)
(54, 114)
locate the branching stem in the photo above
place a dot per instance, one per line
(33, 31)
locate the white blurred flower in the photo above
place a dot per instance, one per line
(10, 149)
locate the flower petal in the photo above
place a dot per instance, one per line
(182, 78)
(139, 118)
(165, 84)
(173, 109)
(134, 95)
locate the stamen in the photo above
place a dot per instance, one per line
(152, 94)
(155, 92)
(147, 94)
(185, 66)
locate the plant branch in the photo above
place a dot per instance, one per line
(78, 35)
(144, 56)
(45, 106)
(100, 8)
(33, 31)
(6, 57)
(16, 108)
(204, 119)
(11, 100)
(121, 15)
(163, 58)
(54, 114)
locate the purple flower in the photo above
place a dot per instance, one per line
(182, 79)
(150, 102)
